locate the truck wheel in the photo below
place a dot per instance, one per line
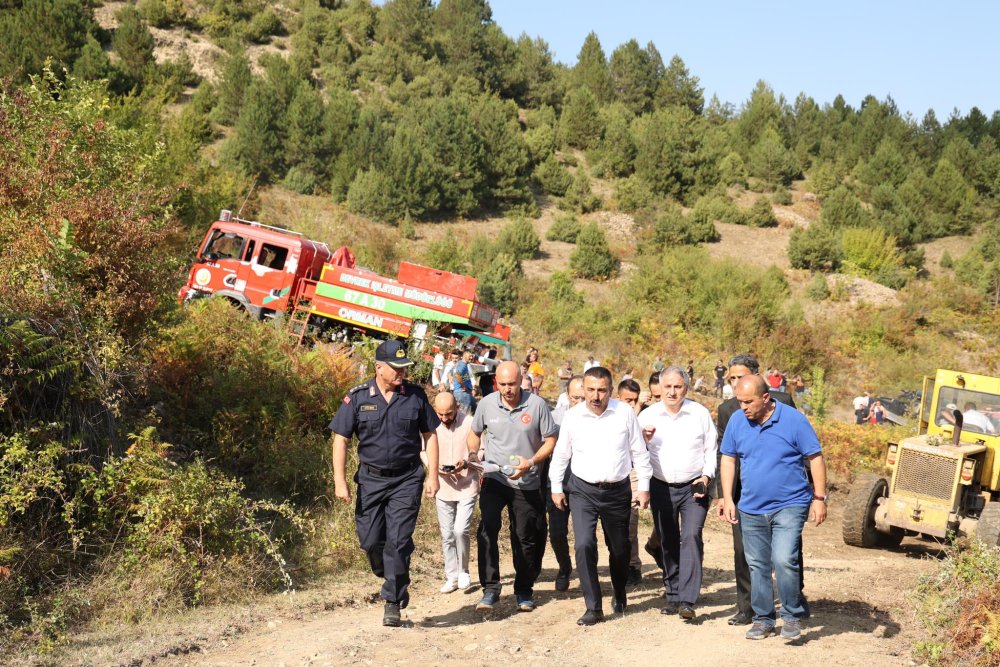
(859, 514)
(988, 528)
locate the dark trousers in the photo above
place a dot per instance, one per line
(681, 518)
(526, 511)
(612, 506)
(559, 533)
(385, 514)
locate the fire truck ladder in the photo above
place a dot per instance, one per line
(298, 323)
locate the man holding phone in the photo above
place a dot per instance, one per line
(459, 487)
(682, 444)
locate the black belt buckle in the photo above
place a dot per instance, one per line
(389, 472)
(610, 485)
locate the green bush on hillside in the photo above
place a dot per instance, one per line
(552, 177)
(566, 228)
(592, 257)
(520, 240)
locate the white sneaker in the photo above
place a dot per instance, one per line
(449, 586)
(464, 580)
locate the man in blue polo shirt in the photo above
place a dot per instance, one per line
(770, 441)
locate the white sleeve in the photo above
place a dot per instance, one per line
(711, 447)
(561, 456)
(640, 455)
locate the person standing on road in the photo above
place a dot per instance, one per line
(600, 442)
(720, 378)
(559, 517)
(392, 419)
(739, 367)
(461, 382)
(521, 433)
(682, 445)
(770, 440)
(459, 487)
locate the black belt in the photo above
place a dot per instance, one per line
(390, 472)
(605, 485)
(679, 485)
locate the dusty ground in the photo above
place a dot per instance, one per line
(859, 599)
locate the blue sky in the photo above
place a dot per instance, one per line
(924, 54)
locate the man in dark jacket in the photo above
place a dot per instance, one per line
(739, 366)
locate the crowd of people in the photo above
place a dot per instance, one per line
(601, 455)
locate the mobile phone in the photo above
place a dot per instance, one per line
(448, 468)
(699, 487)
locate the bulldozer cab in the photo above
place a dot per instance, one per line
(977, 400)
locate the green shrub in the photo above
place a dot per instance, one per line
(371, 194)
(592, 257)
(782, 197)
(300, 179)
(520, 240)
(946, 261)
(498, 284)
(633, 194)
(579, 197)
(263, 25)
(870, 253)
(818, 289)
(552, 177)
(445, 254)
(562, 292)
(407, 230)
(816, 247)
(719, 207)
(761, 214)
(565, 228)
(959, 606)
(154, 12)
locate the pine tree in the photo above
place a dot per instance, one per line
(771, 161)
(498, 284)
(617, 144)
(633, 77)
(33, 30)
(133, 43)
(591, 69)
(93, 63)
(592, 257)
(505, 153)
(679, 88)
(233, 86)
(306, 144)
(580, 124)
(256, 146)
(520, 239)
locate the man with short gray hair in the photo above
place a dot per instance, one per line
(681, 439)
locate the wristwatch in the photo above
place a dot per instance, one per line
(819, 497)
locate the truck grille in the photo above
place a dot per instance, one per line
(925, 474)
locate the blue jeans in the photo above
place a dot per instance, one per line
(775, 540)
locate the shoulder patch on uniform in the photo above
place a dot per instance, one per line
(355, 389)
(347, 399)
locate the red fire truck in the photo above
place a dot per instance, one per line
(269, 271)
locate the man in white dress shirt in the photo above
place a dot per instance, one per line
(681, 438)
(600, 441)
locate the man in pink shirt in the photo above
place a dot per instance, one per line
(459, 488)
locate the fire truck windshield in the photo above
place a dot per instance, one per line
(224, 246)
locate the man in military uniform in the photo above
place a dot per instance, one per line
(391, 418)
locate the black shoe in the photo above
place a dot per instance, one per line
(739, 618)
(562, 581)
(405, 601)
(619, 605)
(634, 576)
(390, 618)
(669, 609)
(686, 611)
(657, 555)
(591, 617)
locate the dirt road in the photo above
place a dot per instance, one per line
(859, 601)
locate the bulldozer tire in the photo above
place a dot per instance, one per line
(988, 528)
(859, 514)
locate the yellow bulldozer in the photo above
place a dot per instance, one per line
(943, 482)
